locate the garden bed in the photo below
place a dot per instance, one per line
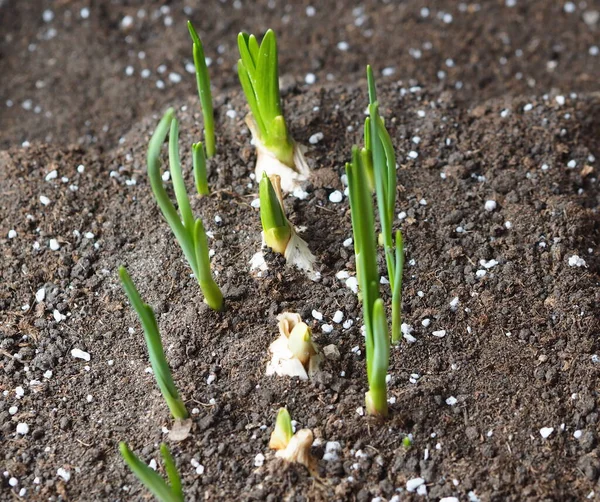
(511, 289)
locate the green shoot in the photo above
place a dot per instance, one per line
(406, 442)
(259, 76)
(151, 479)
(277, 230)
(204, 93)
(199, 163)
(188, 231)
(158, 361)
(283, 432)
(377, 339)
(380, 152)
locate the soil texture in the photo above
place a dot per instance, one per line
(495, 116)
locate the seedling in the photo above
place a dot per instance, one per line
(292, 447)
(376, 331)
(163, 491)
(158, 361)
(379, 162)
(188, 231)
(204, 93)
(278, 233)
(283, 432)
(277, 152)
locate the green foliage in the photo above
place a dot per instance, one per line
(188, 231)
(151, 479)
(283, 425)
(377, 340)
(259, 76)
(203, 81)
(375, 165)
(379, 148)
(160, 367)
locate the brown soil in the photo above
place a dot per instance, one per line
(521, 349)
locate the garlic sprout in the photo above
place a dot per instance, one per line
(292, 447)
(278, 233)
(277, 153)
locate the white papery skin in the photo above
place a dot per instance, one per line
(284, 362)
(296, 253)
(298, 449)
(291, 178)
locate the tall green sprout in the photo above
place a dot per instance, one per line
(259, 76)
(164, 492)
(188, 231)
(379, 160)
(204, 93)
(377, 340)
(158, 361)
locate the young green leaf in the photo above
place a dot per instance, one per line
(203, 81)
(151, 479)
(185, 209)
(376, 398)
(283, 432)
(172, 473)
(276, 228)
(199, 167)
(212, 293)
(158, 361)
(397, 290)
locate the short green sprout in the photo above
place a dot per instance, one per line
(365, 249)
(259, 76)
(204, 93)
(406, 442)
(163, 491)
(277, 230)
(158, 361)
(283, 432)
(379, 160)
(188, 231)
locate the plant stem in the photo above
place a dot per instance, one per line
(212, 293)
(158, 361)
(397, 290)
(203, 81)
(199, 164)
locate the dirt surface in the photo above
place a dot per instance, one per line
(514, 284)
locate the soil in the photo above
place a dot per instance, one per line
(514, 119)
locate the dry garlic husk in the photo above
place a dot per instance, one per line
(294, 353)
(298, 449)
